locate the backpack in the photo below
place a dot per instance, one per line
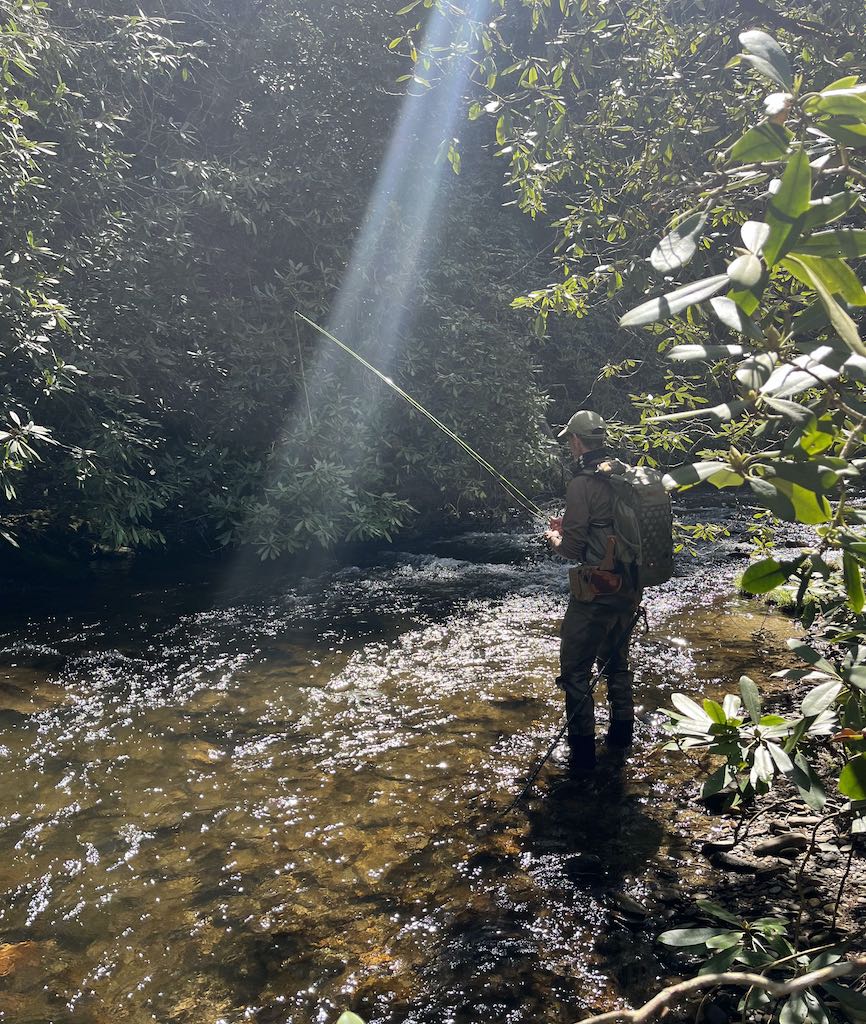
(642, 522)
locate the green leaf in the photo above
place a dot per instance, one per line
(808, 784)
(745, 271)
(755, 234)
(853, 1002)
(808, 506)
(674, 302)
(766, 141)
(819, 699)
(852, 781)
(853, 582)
(814, 440)
(677, 248)
(686, 706)
(835, 274)
(788, 208)
(714, 710)
(856, 676)
(755, 371)
(762, 769)
(848, 102)
(779, 758)
(806, 371)
(689, 353)
(771, 721)
(800, 414)
(726, 478)
(795, 1010)
(719, 781)
(841, 83)
(829, 208)
(733, 317)
(721, 961)
(725, 939)
(685, 937)
(691, 474)
(817, 1010)
(714, 910)
(764, 576)
(348, 1017)
(751, 698)
(813, 475)
(842, 323)
(403, 10)
(850, 132)
(747, 301)
(812, 657)
(765, 54)
(847, 242)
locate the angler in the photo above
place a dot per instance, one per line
(617, 526)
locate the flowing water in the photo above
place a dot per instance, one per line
(271, 804)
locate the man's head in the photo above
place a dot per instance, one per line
(585, 432)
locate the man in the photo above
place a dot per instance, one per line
(603, 604)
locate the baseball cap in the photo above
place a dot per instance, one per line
(586, 425)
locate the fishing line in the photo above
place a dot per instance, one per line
(513, 491)
(303, 373)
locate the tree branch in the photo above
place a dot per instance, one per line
(676, 993)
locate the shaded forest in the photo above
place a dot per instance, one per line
(174, 188)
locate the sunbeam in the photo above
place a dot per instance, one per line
(375, 304)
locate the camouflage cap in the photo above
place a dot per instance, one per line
(586, 425)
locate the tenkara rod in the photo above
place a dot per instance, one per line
(512, 490)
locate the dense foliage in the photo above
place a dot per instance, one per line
(173, 189)
(610, 118)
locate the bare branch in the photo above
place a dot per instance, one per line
(743, 979)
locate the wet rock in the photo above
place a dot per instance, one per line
(733, 862)
(584, 864)
(629, 905)
(716, 847)
(787, 845)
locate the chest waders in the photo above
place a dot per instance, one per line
(640, 612)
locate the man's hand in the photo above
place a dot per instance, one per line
(555, 524)
(553, 538)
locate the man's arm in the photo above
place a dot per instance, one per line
(571, 538)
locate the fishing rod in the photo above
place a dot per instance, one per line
(513, 491)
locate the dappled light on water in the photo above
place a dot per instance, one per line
(285, 805)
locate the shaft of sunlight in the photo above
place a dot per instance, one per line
(378, 297)
(376, 302)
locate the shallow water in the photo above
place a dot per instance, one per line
(275, 804)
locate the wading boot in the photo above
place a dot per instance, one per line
(581, 760)
(620, 734)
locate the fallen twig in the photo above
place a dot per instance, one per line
(676, 993)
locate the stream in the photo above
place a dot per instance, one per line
(273, 802)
